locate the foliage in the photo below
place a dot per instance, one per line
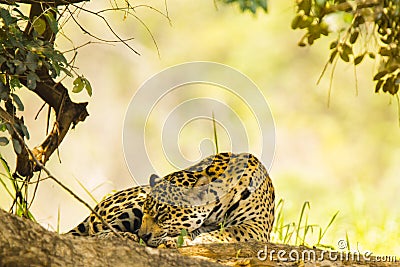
(28, 60)
(17, 127)
(300, 233)
(23, 57)
(249, 5)
(181, 238)
(18, 192)
(80, 83)
(363, 29)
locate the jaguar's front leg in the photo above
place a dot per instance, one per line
(235, 233)
(110, 234)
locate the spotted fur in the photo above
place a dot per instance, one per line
(223, 198)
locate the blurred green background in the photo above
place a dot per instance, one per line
(343, 157)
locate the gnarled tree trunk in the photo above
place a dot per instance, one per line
(25, 243)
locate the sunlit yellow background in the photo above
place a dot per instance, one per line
(344, 157)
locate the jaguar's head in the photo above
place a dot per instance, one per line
(170, 207)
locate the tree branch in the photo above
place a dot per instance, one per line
(347, 7)
(49, 2)
(25, 243)
(67, 113)
(260, 254)
(56, 96)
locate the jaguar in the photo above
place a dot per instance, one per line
(225, 197)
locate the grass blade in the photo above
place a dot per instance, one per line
(86, 190)
(326, 228)
(215, 133)
(306, 204)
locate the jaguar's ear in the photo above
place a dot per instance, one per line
(154, 179)
(201, 181)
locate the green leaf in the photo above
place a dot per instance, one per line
(88, 87)
(333, 56)
(179, 241)
(347, 49)
(305, 22)
(78, 85)
(39, 25)
(344, 56)
(324, 28)
(3, 78)
(59, 57)
(20, 67)
(5, 164)
(385, 51)
(353, 37)
(380, 75)
(181, 238)
(6, 16)
(378, 85)
(359, 20)
(15, 83)
(58, 63)
(250, 5)
(358, 59)
(3, 141)
(9, 128)
(395, 89)
(17, 146)
(32, 61)
(296, 21)
(25, 131)
(4, 92)
(51, 21)
(304, 5)
(32, 78)
(3, 127)
(184, 232)
(56, 69)
(263, 4)
(301, 43)
(18, 101)
(371, 55)
(314, 33)
(390, 86)
(20, 212)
